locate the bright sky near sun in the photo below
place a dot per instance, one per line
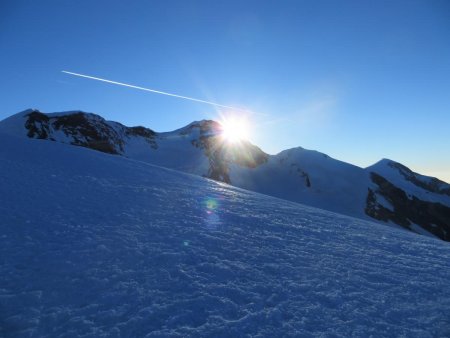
(357, 80)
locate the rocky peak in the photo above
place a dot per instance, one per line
(201, 128)
(430, 184)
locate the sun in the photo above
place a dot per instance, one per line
(234, 129)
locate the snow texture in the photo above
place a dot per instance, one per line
(389, 170)
(96, 245)
(333, 185)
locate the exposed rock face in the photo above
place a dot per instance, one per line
(148, 134)
(85, 130)
(405, 210)
(221, 154)
(92, 131)
(295, 168)
(432, 185)
(37, 125)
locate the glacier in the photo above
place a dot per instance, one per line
(97, 245)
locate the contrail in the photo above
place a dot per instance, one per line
(152, 90)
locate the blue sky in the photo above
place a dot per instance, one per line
(358, 80)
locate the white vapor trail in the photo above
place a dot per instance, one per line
(151, 90)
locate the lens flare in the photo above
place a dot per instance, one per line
(211, 204)
(212, 219)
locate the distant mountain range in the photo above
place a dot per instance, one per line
(387, 191)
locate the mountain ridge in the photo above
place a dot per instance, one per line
(386, 191)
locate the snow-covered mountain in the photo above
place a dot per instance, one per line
(386, 192)
(96, 245)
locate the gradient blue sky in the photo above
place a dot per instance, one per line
(358, 80)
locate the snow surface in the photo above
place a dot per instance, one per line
(15, 124)
(174, 151)
(96, 245)
(335, 185)
(384, 168)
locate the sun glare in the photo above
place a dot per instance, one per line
(234, 130)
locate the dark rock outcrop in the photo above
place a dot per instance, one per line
(222, 154)
(406, 210)
(37, 125)
(432, 184)
(85, 130)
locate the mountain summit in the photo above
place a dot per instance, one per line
(387, 191)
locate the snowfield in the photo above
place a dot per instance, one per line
(97, 245)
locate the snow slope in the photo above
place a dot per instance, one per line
(423, 187)
(308, 177)
(387, 192)
(96, 245)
